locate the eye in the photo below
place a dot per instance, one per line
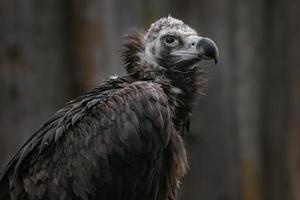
(170, 40)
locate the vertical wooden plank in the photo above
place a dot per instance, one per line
(91, 42)
(247, 55)
(293, 63)
(275, 98)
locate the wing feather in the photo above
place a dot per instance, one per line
(114, 134)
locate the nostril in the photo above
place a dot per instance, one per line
(193, 44)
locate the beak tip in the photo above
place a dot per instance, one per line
(216, 56)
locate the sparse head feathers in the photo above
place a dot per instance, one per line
(148, 54)
(167, 24)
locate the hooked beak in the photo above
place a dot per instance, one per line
(205, 48)
(208, 49)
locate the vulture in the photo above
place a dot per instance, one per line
(122, 140)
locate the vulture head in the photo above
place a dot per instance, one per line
(169, 46)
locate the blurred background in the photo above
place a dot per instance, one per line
(245, 136)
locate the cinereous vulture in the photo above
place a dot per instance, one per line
(124, 139)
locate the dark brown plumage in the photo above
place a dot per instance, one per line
(122, 140)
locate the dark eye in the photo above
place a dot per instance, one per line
(170, 40)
